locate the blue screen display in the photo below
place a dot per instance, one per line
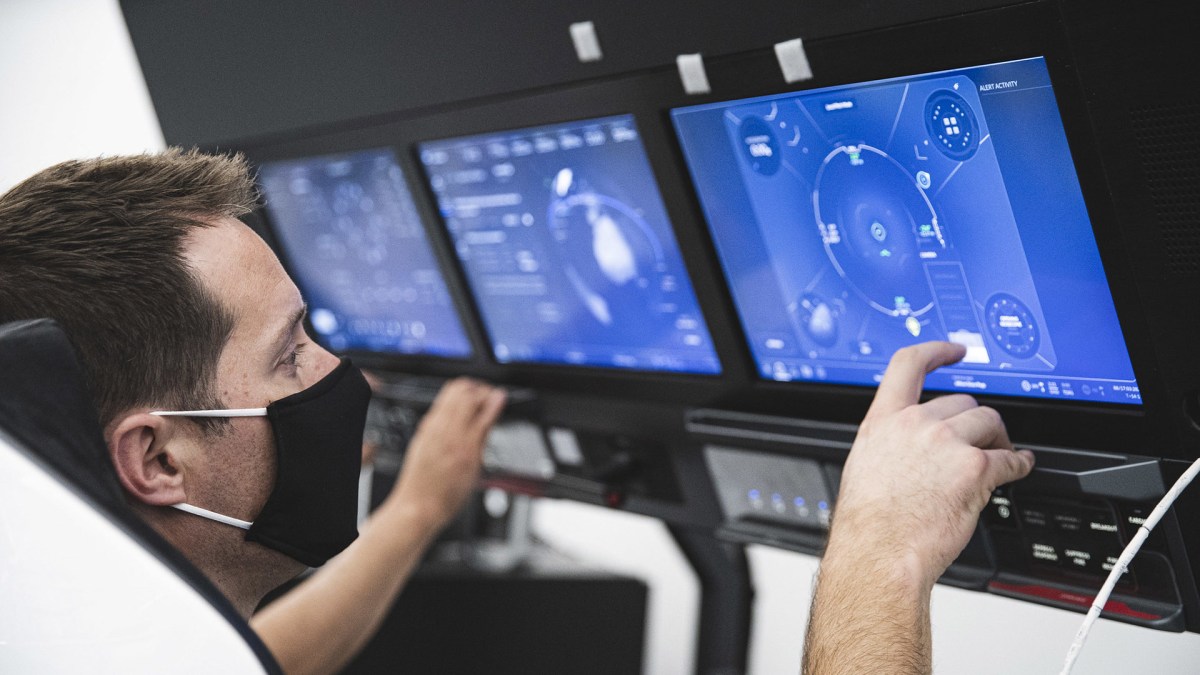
(353, 240)
(567, 247)
(852, 221)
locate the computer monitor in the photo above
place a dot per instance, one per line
(854, 220)
(351, 237)
(567, 247)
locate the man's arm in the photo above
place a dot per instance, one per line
(322, 623)
(912, 489)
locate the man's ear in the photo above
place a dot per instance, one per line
(139, 446)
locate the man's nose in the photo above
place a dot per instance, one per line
(323, 363)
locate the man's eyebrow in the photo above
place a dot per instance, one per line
(285, 335)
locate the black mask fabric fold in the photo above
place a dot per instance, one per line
(311, 514)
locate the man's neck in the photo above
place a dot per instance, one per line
(242, 571)
(243, 593)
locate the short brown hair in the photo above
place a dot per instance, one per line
(98, 245)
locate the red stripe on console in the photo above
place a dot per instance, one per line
(1077, 599)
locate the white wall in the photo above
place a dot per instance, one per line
(70, 87)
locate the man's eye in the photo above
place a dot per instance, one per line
(293, 358)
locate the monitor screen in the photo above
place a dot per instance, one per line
(854, 220)
(567, 247)
(352, 238)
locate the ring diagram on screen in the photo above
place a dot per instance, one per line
(909, 235)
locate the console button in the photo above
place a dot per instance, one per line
(1045, 551)
(1088, 558)
(1101, 523)
(1079, 559)
(1134, 517)
(1068, 521)
(1034, 517)
(999, 511)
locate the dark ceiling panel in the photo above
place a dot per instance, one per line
(224, 70)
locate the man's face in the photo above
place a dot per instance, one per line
(268, 357)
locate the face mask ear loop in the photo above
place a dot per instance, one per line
(233, 412)
(212, 515)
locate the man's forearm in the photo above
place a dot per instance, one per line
(869, 615)
(322, 623)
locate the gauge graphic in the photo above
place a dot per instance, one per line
(875, 223)
(818, 317)
(611, 256)
(951, 124)
(1012, 325)
(760, 145)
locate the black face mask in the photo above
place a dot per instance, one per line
(311, 515)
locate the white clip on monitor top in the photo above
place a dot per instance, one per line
(567, 247)
(854, 220)
(352, 239)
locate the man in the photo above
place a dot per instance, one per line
(175, 305)
(185, 322)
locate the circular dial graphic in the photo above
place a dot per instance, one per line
(610, 254)
(876, 222)
(1012, 325)
(951, 125)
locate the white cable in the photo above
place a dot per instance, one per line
(1123, 563)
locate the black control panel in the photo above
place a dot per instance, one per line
(1057, 535)
(1051, 538)
(548, 444)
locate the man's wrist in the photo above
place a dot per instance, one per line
(413, 515)
(868, 559)
(870, 611)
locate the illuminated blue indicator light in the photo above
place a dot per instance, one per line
(823, 505)
(755, 495)
(799, 501)
(776, 497)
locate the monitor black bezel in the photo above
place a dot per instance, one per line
(969, 40)
(420, 146)
(948, 44)
(849, 89)
(269, 231)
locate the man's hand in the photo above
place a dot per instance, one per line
(913, 486)
(441, 465)
(919, 474)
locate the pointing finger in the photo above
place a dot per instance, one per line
(901, 385)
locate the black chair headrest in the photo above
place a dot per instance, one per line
(44, 403)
